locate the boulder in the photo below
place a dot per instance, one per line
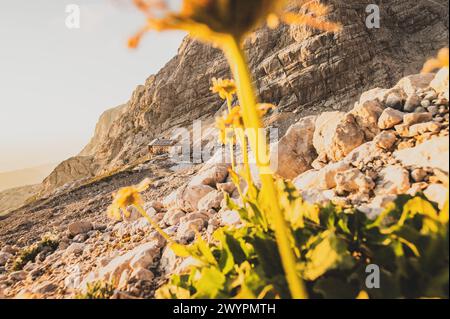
(228, 187)
(393, 180)
(216, 173)
(188, 197)
(75, 249)
(353, 181)
(414, 118)
(229, 218)
(437, 193)
(173, 217)
(389, 118)
(322, 179)
(337, 134)
(433, 153)
(377, 205)
(412, 102)
(410, 84)
(79, 227)
(440, 82)
(143, 256)
(142, 274)
(366, 116)
(212, 200)
(4, 257)
(186, 230)
(385, 140)
(295, 151)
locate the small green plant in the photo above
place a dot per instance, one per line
(97, 290)
(333, 247)
(29, 253)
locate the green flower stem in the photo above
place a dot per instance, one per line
(252, 121)
(154, 225)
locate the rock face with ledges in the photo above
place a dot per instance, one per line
(299, 70)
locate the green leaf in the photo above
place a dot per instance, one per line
(210, 283)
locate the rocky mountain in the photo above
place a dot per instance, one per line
(364, 158)
(102, 129)
(299, 70)
(13, 198)
(27, 176)
(358, 130)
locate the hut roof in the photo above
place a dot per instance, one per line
(161, 142)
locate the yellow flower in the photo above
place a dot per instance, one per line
(234, 120)
(212, 20)
(441, 61)
(225, 88)
(125, 197)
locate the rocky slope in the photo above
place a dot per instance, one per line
(393, 141)
(299, 70)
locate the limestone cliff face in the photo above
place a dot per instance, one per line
(102, 129)
(301, 71)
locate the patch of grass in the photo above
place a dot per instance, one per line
(29, 253)
(97, 290)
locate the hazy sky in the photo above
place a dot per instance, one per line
(55, 82)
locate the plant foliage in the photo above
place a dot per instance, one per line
(333, 246)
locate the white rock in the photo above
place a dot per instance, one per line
(131, 214)
(143, 256)
(73, 280)
(45, 288)
(377, 206)
(432, 153)
(212, 200)
(189, 196)
(4, 257)
(353, 181)
(210, 176)
(171, 199)
(422, 128)
(173, 217)
(314, 196)
(410, 84)
(186, 230)
(18, 275)
(389, 118)
(376, 94)
(367, 115)
(229, 218)
(75, 249)
(79, 227)
(337, 134)
(385, 140)
(168, 261)
(415, 118)
(437, 193)
(440, 82)
(228, 187)
(295, 151)
(142, 274)
(186, 265)
(393, 180)
(322, 179)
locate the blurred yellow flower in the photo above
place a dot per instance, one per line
(125, 197)
(441, 61)
(225, 88)
(211, 20)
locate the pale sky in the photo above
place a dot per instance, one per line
(55, 82)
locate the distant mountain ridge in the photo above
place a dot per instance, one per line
(26, 176)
